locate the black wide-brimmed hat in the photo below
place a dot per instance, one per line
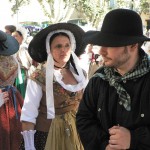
(120, 27)
(37, 47)
(8, 44)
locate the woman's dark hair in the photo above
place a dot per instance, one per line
(57, 34)
(73, 64)
(71, 58)
(19, 33)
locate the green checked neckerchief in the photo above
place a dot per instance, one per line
(109, 75)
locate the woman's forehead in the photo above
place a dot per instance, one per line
(60, 38)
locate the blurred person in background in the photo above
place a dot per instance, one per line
(9, 29)
(27, 65)
(146, 47)
(146, 44)
(95, 60)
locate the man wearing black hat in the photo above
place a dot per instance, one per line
(114, 113)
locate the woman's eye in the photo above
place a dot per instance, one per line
(58, 46)
(67, 46)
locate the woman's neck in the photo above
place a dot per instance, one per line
(58, 66)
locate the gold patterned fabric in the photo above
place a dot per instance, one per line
(39, 76)
(8, 70)
(62, 134)
(10, 125)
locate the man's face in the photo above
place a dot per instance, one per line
(116, 57)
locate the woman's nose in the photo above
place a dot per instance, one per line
(62, 48)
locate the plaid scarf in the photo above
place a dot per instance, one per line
(110, 75)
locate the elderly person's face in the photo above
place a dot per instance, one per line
(18, 37)
(61, 49)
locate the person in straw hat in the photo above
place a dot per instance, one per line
(54, 90)
(11, 100)
(114, 112)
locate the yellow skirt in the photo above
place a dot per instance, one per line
(63, 134)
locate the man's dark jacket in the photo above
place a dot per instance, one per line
(100, 110)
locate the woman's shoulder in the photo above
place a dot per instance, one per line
(39, 74)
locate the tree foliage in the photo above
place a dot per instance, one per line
(92, 11)
(141, 6)
(144, 7)
(16, 4)
(58, 10)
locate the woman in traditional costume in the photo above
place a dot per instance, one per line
(11, 100)
(54, 90)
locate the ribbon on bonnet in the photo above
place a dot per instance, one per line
(82, 82)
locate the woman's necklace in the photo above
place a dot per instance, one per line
(66, 66)
(59, 67)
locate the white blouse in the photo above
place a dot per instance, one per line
(32, 100)
(33, 95)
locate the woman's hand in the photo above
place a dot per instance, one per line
(4, 97)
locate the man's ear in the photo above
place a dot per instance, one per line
(134, 45)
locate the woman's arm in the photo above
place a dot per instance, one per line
(27, 126)
(31, 104)
(29, 113)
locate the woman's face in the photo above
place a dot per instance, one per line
(61, 49)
